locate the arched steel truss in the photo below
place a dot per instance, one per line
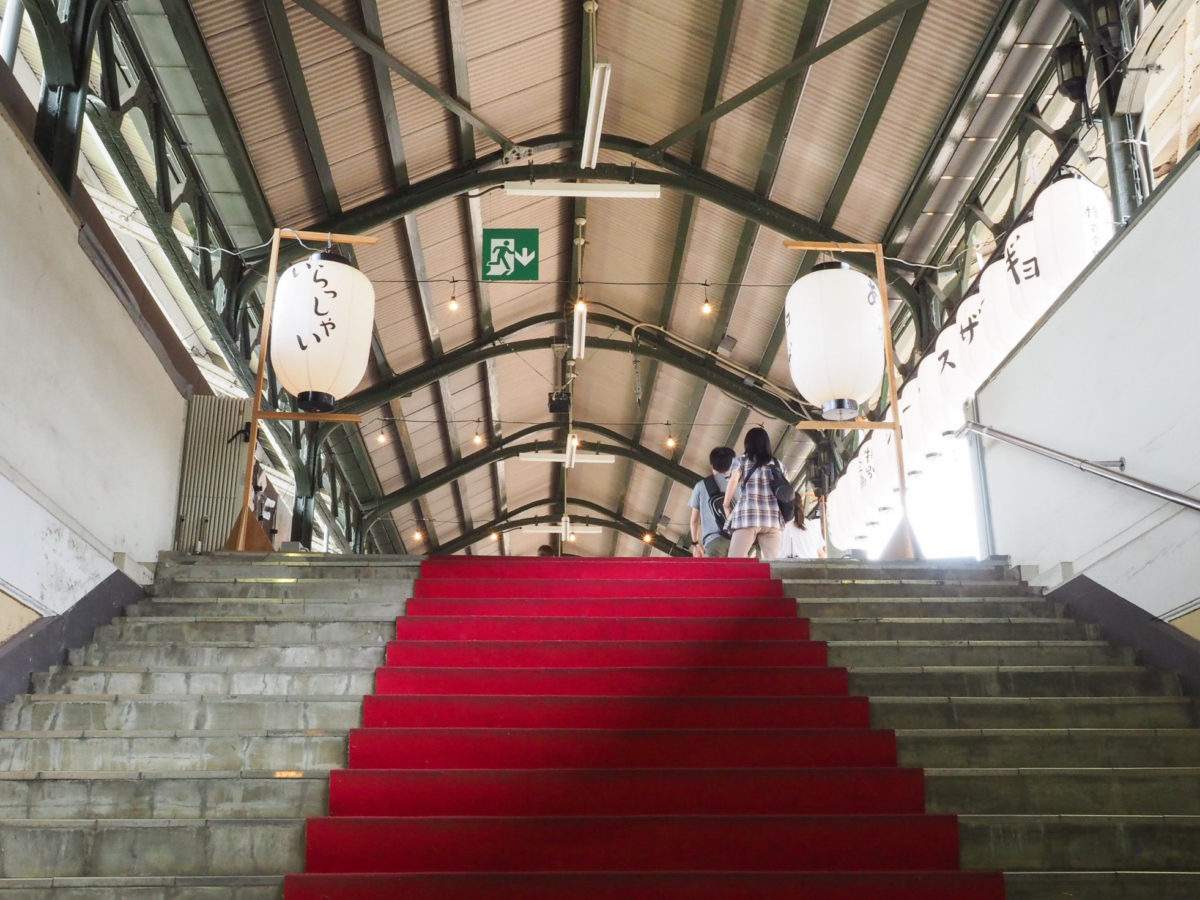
(607, 518)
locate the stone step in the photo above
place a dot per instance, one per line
(182, 795)
(268, 609)
(989, 748)
(157, 712)
(1073, 791)
(927, 607)
(1110, 885)
(899, 570)
(1012, 681)
(978, 653)
(167, 887)
(1063, 843)
(875, 629)
(1019, 712)
(287, 565)
(236, 655)
(109, 847)
(911, 587)
(237, 629)
(170, 751)
(307, 588)
(196, 680)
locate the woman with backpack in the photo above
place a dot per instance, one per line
(751, 507)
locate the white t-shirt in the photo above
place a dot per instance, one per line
(802, 543)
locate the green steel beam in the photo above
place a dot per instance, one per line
(378, 52)
(811, 26)
(678, 175)
(511, 447)
(792, 69)
(707, 367)
(457, 39)
(606, 519)
(726, 30)
(297, 85)
(993, 51)
(66, 43)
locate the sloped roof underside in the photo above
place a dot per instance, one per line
(328, 129)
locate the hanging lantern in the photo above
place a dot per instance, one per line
(321, 330)
(835, 339)
(845, 519)
(914, 441)
(1029, 288)
(1072, 71)
(941, 398)
(1073, 221)
(878, 476)
(967, 345)
(999, 325)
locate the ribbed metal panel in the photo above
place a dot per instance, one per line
(214, 469)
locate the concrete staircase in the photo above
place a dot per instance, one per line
(179, 754)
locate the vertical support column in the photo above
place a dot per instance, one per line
(66, 46)
(1107, 49)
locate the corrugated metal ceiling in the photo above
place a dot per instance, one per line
(519, 68)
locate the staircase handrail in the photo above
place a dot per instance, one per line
(1082, 464)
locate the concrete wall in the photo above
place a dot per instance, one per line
(1112, 372)
(92, 424)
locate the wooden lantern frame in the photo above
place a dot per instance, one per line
(247, 534)
(904, 545)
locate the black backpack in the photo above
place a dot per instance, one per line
(785, 494)
(716, 502)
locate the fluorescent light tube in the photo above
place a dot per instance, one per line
(557, 529)
(607, 189)
(579, 333)
(553, 456)
(572, 446)
(597, 99)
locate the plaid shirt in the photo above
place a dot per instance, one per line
(755, 506)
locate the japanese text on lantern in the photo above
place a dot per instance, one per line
(322, 295)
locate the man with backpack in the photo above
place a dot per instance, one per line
(710, 532)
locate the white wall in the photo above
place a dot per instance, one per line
(91, 426)
(1114, 371)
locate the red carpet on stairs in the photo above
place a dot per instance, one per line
(616, 728)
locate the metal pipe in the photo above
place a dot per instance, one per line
(1082, 464)
(10, 31)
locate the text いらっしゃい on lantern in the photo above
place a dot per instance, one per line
(321, 330)
(835, 339)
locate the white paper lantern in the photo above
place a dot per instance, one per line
(878, 475)
(1030, 289)
(966, 345)
(915, 440)
(999, 326)
(1073, 219)
(835, 338)
(842, 508)
(321, 330)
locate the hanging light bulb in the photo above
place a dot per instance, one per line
(648, 537)
(418, 536)
(671, 442)
(478, 439)
(381, 438)
(571, 537)
(453, 304)
(494, 536)
(707, 308)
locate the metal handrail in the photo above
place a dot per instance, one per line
(1082, 464)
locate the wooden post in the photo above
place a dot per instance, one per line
(242, 534)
